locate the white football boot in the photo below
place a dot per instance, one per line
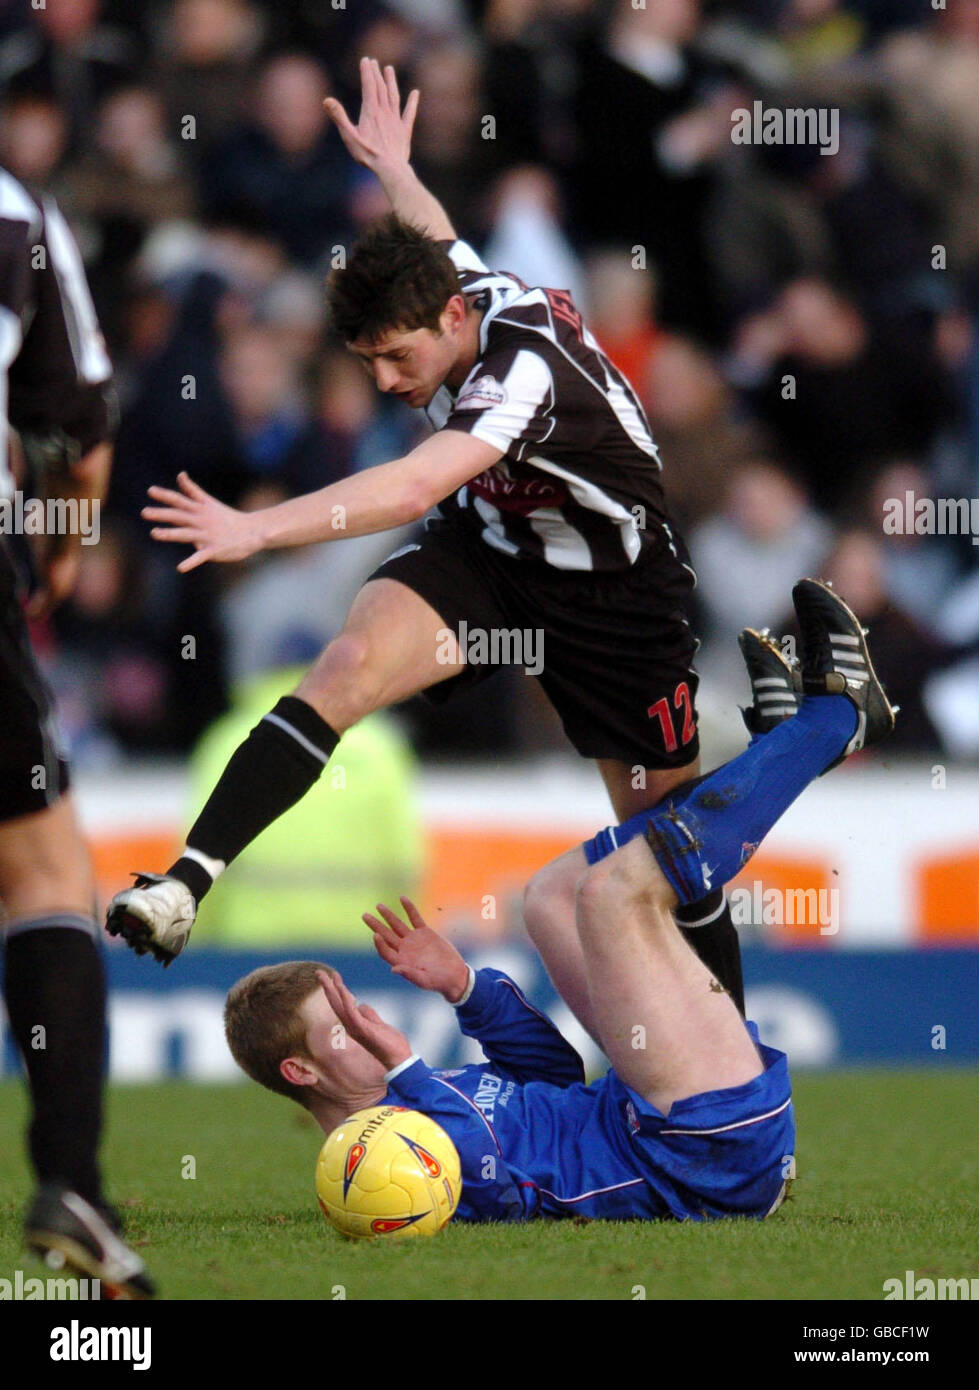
(155, 915)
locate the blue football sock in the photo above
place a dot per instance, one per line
(704, 834)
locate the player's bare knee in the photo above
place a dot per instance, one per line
(597, 892)
(541, 901)
(45, 882)
(341, 685)
(624, 879)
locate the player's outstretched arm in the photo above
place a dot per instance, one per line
(417, 953)
(515, 1036)
(376, 499)
(381, 141)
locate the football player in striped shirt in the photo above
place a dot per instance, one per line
(550, 520)
(56, 393)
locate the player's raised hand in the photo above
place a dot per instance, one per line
(417, 953)
(382, 136)
(193, 517)
(364, 1024)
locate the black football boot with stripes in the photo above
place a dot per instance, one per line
(776, 685)
(836, 661)
(67, 1232)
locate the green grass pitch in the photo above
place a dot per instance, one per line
(887, 1182)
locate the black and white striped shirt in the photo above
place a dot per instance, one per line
(578, 485)
(54, 369)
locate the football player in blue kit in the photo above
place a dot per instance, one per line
(694, 1119)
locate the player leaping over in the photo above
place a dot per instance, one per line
(694, 1120)
(551, 518)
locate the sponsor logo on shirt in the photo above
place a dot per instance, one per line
(484, 391)
(520, 495)
(632, 1117)
(486, 1093)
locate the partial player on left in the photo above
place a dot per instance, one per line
(57, 388)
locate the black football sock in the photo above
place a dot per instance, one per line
(715, 941)
(55, 992)
(273, 769)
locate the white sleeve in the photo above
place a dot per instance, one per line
(502, 409)
(464, 257)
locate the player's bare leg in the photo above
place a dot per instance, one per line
(549, 916)
(705, 924)
(667, 1027)
(389, 649)
(633, 789)
(55, 995)
(45, 866)
(392, 646)
(642, 868)
(549, 899)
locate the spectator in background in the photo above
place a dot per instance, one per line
(529, 77)
(448, 149)
(919, 571)
(355, 839)
(207, 59)
(131, 180)
(620, 306)
(746, 559)
(277, 447)
(178, 416)
(284, 174)
(134, 168)
(356, 430)
(653, 116)
(33, 138)
(929, 77)
(110, 667)
(791, 212)
(526, 236)
(66, 53)
(838, 397)
(700, 435)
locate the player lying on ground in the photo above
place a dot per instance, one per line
(694, 1119)
(551, 520)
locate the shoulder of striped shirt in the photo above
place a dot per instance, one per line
(17, 205)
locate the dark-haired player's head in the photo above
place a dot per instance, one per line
(398, 307)
(284, 1035)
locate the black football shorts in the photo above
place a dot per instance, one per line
(612, 650)
(33, 773)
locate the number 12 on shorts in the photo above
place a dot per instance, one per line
(661, 711)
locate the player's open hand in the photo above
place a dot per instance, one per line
(417, 953)
(364, 1024)
(382, 137)
(193, 517)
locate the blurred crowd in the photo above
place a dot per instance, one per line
(801, 327)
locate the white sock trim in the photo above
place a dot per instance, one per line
(711, 916)
(214, 867)
(301, 739)
(47, 921)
